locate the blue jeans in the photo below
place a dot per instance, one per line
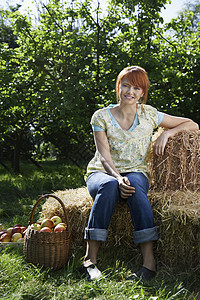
(104, 189)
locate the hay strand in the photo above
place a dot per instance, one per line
(179, 167)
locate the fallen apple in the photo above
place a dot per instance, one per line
(36, 226)
(16, 236)
(5, 238)
(47, 223)
(56, 220)
(59, 228)
(45, 229)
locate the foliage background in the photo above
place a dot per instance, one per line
(54, 73)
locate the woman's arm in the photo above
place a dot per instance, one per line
(103, 148)
(174, 125)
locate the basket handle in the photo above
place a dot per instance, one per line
(46, 196)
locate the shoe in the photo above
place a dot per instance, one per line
(143, 274)
(91, 272)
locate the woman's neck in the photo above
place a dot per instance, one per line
(124, 114)
(126, 111)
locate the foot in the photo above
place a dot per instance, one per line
(91, 272)
(143, 274)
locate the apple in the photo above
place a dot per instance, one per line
(2, 232)
(45, 229)
(17, 225)
(16, 236)
(36, 226)
(5, 238)
(47, 223)
(16, 229)
(59, 228)
(56, 220)
(9, 230)
(23, 228)
(20, 240)
(63, 224)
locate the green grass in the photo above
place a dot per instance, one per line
(19, 193)
(21, 280)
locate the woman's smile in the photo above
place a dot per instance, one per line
(129, 92)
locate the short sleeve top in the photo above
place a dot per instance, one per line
(130, 149)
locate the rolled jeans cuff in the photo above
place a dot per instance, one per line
(96, 234)
(145, 235)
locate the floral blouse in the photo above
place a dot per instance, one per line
(130, 150)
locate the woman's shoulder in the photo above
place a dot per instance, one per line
(146, 108)
(100, 115)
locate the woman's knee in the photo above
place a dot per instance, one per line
(139, 181)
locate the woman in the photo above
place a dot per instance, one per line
(119, 169)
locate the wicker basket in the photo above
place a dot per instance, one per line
(47, 249)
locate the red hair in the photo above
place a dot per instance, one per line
(136, 76)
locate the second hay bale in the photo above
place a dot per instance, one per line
(179, 167)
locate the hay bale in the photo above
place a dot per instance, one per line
(177, 215)
(78, 203)
(174, 196)
(179, 167)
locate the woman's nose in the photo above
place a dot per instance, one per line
(131, 89)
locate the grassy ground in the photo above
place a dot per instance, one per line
(20, 280)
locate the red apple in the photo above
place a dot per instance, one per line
(45, 229)
(16, 229)
(36, 226)
(16, 236)
(2, 232)
(23, 228)
(47, 223)
(56, 220)
(5, 238)
(59, 227)
(9, 230)
(63, 224)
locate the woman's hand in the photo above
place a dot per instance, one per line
(126, 190)
(160, 143)
(174, 126)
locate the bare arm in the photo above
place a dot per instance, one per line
(103, 149)
(174, 125)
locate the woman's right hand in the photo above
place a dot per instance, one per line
(126, 190)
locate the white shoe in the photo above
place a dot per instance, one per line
(91, 272)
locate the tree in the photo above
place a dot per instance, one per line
(65, 66)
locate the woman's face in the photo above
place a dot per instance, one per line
(128, 93)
